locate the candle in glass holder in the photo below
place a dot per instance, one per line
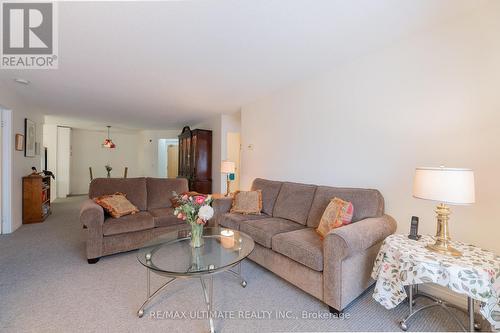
(227, 238)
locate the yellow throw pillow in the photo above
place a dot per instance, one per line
(117, 205)
(247, 202)
(337, 213)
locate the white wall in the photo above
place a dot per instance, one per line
(21, 166)
(6, 147)
(431, 99)
(148, 151)
(234, 155)
(87, 151)
(229, 123)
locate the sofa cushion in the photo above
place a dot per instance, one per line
(164, 217)
(294, 202)
(304, 246)
(160, 191)
(233, 220)
(262, 231)
(270, 190)
(133, 188)
(129, 223)
(366, 202)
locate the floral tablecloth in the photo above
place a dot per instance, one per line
(402, 261)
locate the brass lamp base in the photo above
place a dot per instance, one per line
(228, 185)
(443, 239)
(449, 250)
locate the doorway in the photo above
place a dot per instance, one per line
(168, 157)
(172, 160)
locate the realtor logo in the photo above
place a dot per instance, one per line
(29, 39)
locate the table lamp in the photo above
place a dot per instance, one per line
(228, 167)
(448, 186)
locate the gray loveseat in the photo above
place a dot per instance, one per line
(335, 269)
(107, 235)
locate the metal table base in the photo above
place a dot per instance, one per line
(207, 285)
(414, 293)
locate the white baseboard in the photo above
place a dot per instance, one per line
(445, 294)
(454, 298)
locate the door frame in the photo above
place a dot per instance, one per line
(6, 173)
(63, 182)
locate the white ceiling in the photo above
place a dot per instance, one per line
(165, 64)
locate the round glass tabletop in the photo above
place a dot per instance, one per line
(172, 254)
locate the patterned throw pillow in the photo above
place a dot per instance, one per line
(116, 204)
(247, 202)
(337, 213)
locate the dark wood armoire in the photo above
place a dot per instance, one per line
(195, 159)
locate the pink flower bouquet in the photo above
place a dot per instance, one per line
(196, 211)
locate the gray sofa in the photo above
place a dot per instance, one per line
(335, 269)
(107, 235)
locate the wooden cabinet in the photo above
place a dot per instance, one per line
(195, 159)
(36, 198)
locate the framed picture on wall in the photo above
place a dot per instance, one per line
(29, 137)
(19, 142)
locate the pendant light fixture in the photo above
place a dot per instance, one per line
(108, 143)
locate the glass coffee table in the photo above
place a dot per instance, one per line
(170, 255)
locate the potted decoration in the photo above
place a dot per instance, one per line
(108, 169)
(196, 211)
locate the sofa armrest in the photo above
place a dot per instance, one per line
(221, 206)
(91, 214)
(92, 217)
(359, 236)
(348, 255)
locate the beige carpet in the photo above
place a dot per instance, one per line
(46, 285)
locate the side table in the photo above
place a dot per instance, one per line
(414, 293)
(402, 262)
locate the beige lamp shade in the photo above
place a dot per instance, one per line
(446, 185)
(227, 167)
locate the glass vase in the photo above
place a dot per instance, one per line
(196, 235)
